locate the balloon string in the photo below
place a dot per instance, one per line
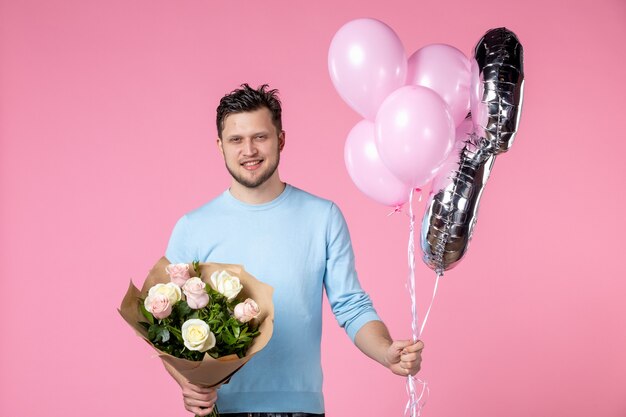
(432, 300)
(411, 258)
(416, 403)
(396, 209)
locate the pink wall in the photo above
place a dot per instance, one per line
(106, 138)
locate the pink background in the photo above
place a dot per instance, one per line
(107, 137)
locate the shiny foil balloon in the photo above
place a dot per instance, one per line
(452, 209)
(497, 87)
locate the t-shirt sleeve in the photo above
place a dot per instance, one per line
(179, 249)
(351, 306)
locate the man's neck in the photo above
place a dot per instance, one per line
(264, 193)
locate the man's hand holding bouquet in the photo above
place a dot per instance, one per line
(205, 320)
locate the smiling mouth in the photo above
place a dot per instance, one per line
(252, 165)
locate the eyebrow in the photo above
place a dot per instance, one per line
(260, 133)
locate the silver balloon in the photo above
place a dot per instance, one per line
(452, 209)
(497, 88)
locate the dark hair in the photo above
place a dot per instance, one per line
(247, 99)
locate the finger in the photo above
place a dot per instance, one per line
(205, 411)
(192, 402)
(415, 368)
(200, 393)
(410, 360)
(200, 389)
(191, 395)
(398, 370)
(399, 345)
(414, 347)
(200, 411)
(409, 357)
(194, 398)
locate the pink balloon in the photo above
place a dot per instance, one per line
(368, 172)
(446, 70)
(414, 134)
(367, 62)
(480, 114)
(451, 164)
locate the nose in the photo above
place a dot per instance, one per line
(249, 147)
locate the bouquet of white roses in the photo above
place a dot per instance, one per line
(205, 328)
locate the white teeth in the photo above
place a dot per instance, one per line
(249, 164)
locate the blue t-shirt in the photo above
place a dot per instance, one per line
(299, 244)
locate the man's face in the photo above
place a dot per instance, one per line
(251, 146)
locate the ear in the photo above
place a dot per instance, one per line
(220, 146)
(281, 140)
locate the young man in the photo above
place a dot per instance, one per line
(297, 243)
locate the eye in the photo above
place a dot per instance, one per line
(261, 137)
(234, 140)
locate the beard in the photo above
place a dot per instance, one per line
(254, 183)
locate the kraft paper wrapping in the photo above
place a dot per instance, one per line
(207, 372)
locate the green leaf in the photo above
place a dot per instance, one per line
(163, 334)
(228, 337)
(158, 334)
(152, 332)
(196, 267)
(183, 309)
(177, 334)
(145, 312)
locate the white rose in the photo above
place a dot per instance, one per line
(197, 335)
(170, 290)
(226, 284)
